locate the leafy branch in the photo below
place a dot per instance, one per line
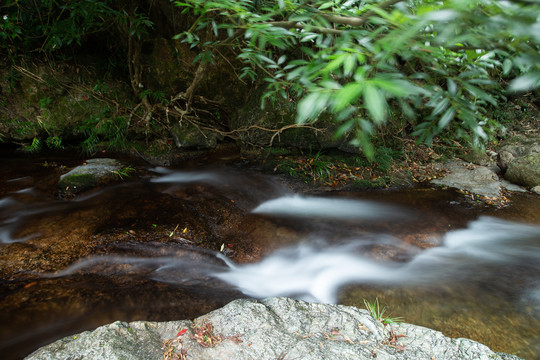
(375, 62)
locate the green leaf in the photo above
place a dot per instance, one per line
(347, 95)
(452, 87)
(446, 118)
(330, 84)
(525, 82)
(310, 106)
(326, 5)
(364, 139)
(334, 64)
(375, 103)
(349, 64)
(507, 66)
(397, 87)
(265, 58)
(441, 106)
(344, 128)
(479, 93)
(309, 36)
(407, 109)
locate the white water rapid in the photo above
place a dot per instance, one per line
(317, 272)
(328, 208)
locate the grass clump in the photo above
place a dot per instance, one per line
(124, 172)
(378, 313)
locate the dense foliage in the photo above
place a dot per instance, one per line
(47, 26)
(432, 66)
(439, 64)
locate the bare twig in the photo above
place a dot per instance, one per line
(29, 74)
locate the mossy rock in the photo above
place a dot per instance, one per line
(92, 173)
(78, 181)
(525, 171)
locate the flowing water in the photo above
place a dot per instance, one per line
(177, 243)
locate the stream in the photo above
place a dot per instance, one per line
(175, 243)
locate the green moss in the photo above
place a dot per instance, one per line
(276, 151)
(78, 181)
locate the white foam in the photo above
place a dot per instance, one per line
(185, 177)
(306, 272)
(329, 208)
(317, 273)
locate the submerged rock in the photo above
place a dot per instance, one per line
(92, 173)
(274, 328)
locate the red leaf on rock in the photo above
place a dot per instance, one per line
(181, 332)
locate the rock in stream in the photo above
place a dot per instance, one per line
(92, 173)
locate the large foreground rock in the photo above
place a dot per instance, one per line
(275, 328)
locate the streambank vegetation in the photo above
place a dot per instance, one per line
(382, 80)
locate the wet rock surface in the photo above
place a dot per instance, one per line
(92, 173)
(274, 328)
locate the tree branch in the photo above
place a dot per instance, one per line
(357, 21)
(335, 19)
(297, 25)
(195, 82)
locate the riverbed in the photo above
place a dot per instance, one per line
(174, 243)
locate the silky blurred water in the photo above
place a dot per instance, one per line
(428, 255)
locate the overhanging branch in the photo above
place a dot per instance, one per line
(298, 25)
(360, 20)
(334, 19)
